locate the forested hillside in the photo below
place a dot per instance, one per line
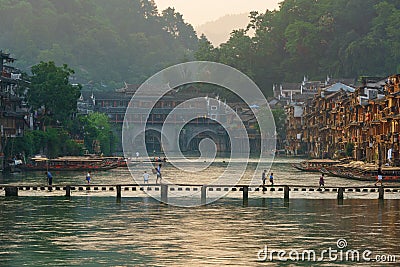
(340, 38)
(109, 42)
(104, 41)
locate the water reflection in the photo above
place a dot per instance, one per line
(141, 232)
(93, 231)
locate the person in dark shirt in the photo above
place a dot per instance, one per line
(49, 178)
(321, 180)
(159, 176)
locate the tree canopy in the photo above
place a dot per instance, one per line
(97, 133)
(316, 38)
(51, 94)
(105, 42)
(109, 42)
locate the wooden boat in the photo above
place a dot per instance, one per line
(314, 165)
(364, 172)
(120, 161)
(69, 164)
(158, 159)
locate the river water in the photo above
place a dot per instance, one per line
(139, 231)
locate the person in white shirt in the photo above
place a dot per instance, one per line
(146, 177)
(88, 177)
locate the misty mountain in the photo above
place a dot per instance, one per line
(218, 31)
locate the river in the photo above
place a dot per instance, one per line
(101, 231)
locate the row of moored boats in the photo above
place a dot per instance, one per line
(85, 163)
(357, 170)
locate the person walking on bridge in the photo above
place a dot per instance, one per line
(158, 171)
(321, 180)
(263, 177)
(380, 177)
(49, 178)
(88, 177)
(146, 177)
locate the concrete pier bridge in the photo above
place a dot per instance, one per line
(204, 192)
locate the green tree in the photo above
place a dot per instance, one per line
(315, 38)
(269, 49)
(238, 52)
(105, 42)
(205, 50)
(175, 25)
(97, 131)
(53, 142)
(51, 93)
(280, 122)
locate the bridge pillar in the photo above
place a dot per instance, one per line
(118, 191)
(340, 193)
(203, 194)
(68, 191)
(381, 192)
(11, 191)
(245, 195)
(164, 193)
(286, 192)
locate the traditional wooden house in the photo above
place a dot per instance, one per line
(294, 133)
(322, 122)
(386, 150)
(13, 114)
(364, 121)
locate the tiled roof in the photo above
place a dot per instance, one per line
(339, 86)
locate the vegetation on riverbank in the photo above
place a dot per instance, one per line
(56, 128)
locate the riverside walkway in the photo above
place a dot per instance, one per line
(164, 191)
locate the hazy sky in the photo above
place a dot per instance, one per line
(197, 12)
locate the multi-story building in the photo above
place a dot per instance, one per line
(364, 123)
(311, 124)
(200, 117)
(13, 113)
